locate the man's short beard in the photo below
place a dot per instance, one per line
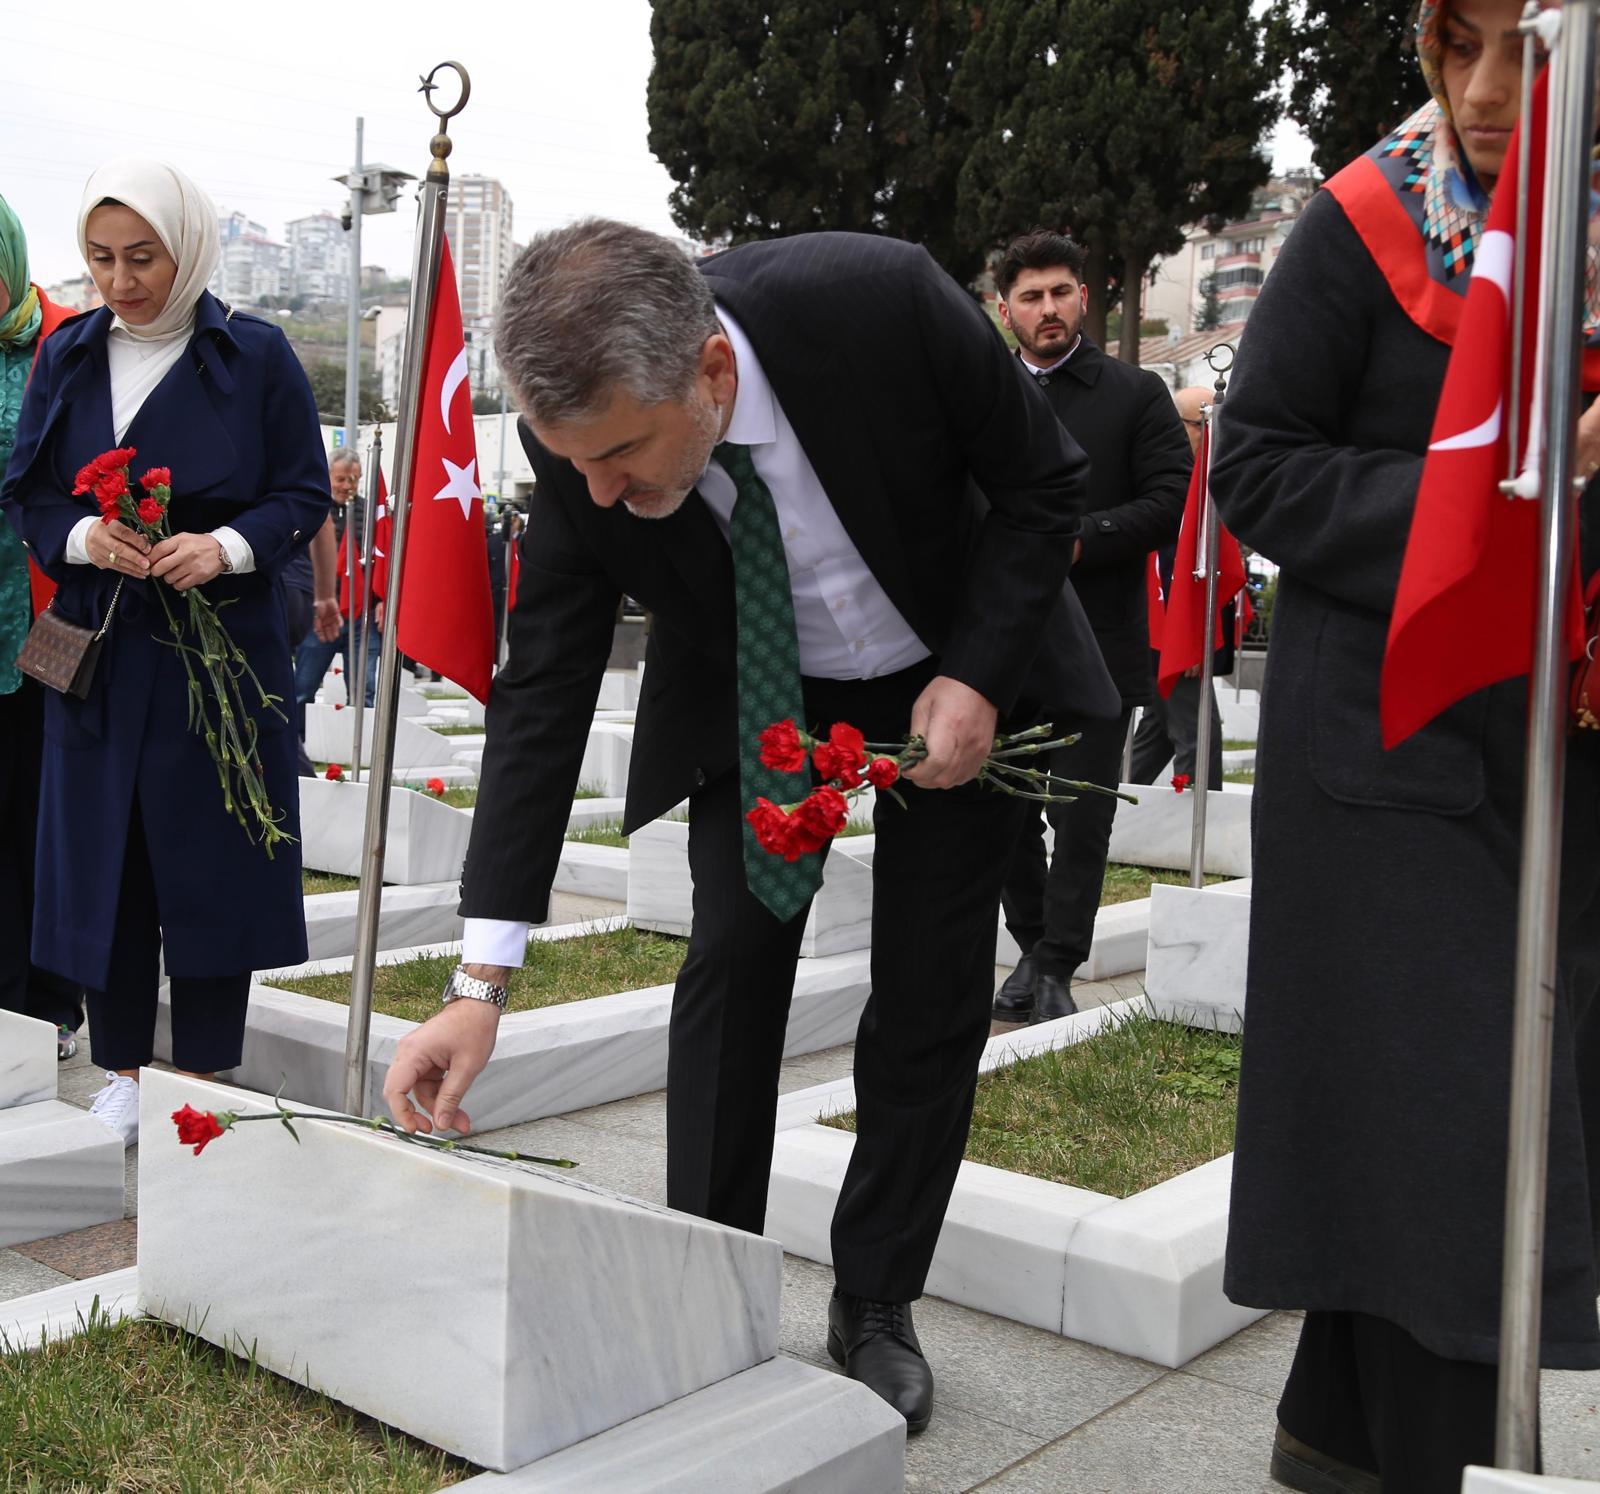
(1031, 344)
(707, 426)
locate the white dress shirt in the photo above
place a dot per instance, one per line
(137, 366)
(847, 627)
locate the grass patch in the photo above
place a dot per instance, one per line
(465, 730)
(1140, 1103)
(458, 797)
(1126, 884)
(601, 833)
(312, 882)
(557, 971)
(139, 1405)
(590, 791)
(1237, 744)
(1242, 775)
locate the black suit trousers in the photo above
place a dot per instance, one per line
(936, 891)
(1050, 908)
(1169, 731)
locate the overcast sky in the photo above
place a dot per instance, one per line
(257, 102)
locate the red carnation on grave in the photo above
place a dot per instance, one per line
(881, 772)
(335, 773)
(156, 477)
(338, 705)
(436, 787)
(1180, 781)
(783, 748)
(842, 755)
(149, 511)
(196, 1127)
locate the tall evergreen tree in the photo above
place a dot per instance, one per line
(1355, 73)
(1209, 317)
(1120, 120)
(807, 115)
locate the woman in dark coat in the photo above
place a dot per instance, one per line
(139, 858)
(1369, 1178)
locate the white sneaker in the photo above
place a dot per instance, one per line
(117, 1106)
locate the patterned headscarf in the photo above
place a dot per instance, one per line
(20, 323)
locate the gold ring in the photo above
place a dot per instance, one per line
(115, 556)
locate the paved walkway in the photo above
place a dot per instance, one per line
(1017, 1409)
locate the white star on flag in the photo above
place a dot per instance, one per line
(461, 483)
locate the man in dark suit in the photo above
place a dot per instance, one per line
(843, 396)
(1125, 421)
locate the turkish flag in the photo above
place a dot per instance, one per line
(380, 570)
(1185, 627)
(1155, 605)
(516, 572)
(1465, 613)
(446, 613)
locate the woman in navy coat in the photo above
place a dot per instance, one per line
(140, 860)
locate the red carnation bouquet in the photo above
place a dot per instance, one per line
(849, 765)
(219, 674)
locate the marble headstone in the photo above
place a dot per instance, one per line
(1157, 831)
(495, 1310)
(330, 737)
(27, 1060)
(60, 1170)
(427, 840)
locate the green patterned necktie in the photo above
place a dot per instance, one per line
(769, 678)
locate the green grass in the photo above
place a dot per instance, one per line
(1125, 884)
(142, 1406)
(457, 798)
(1234, 744)
(1241, 775)
(591, 791)
(601, 833)
(557, 971)
(1139, 1104)
(457, 731)
(312, 882)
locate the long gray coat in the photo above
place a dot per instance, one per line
(1370, 1169)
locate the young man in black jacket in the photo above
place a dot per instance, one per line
(1126, 422)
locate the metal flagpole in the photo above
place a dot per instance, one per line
(1206, 550)
(424, 275)
(368, 520)
(1566, 212)
(1127, 743)
(352, 416)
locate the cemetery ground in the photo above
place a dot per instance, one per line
(1017, 1408)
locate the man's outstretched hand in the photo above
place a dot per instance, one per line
(958, 725)
(439, 1061)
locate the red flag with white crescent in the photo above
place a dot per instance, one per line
(1185, 626)
(446, 612)
(1465, 612)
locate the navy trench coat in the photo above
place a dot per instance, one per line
(235, 421)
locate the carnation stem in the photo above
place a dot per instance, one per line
(388, 1127)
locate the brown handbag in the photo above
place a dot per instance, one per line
(61, 654)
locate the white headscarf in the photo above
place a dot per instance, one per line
(184, 221)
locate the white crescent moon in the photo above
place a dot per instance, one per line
(453, 380)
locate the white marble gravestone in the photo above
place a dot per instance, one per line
(606, 757)
(427, 840)
(330, 736)
(498, 1311)
(1501, 1481)
(1199, 944)
(27, 1060)
(1158, 829)
(1241, 717)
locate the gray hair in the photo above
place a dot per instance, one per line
(344, 456)
(596, 307)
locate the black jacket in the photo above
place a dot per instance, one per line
(1139, 461)
(958, 488)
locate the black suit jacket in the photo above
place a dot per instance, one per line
(958, 487)
(1126, 422)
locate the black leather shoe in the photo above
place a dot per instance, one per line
(877, 1345)
(1296, 1466)
(1052, 998)
(1013, 1002)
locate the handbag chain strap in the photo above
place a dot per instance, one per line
(116, 596)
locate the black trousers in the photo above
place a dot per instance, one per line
(1050, 908)
(207, 1011)
(1363, 1390)
(936, 893)
(1169, 731)
(24, 987)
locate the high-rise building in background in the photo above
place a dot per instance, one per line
(252, 266)
(319, 258)
(479, 225)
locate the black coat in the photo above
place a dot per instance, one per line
(956, 484)
(1370, 1169)
(1139, 461)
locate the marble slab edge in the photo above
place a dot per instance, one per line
(27, 1060)
(58, 1312)
(784, 1427)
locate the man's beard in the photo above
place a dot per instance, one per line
(1063, 333)
(661, 501)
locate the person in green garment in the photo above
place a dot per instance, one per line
(27, 316)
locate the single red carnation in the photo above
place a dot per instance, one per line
(782, 747)
(436, 787)
(334, 773)
(196, 1127)
(111, 487)
(771, 826)
(338, 705)
(88, 475)
(156, 477)
(1180, 781)
(841, 757)
(820, 816)
(118, 456)
(882, 771)
(149, 511)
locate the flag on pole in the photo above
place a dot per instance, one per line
(446, 612)
(1465, 614)
(516, 571)
(1185, 627)
(1155, 605)
(380, 572)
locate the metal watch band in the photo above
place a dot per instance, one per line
(461, 985)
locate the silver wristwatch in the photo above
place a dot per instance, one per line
(462, 985)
